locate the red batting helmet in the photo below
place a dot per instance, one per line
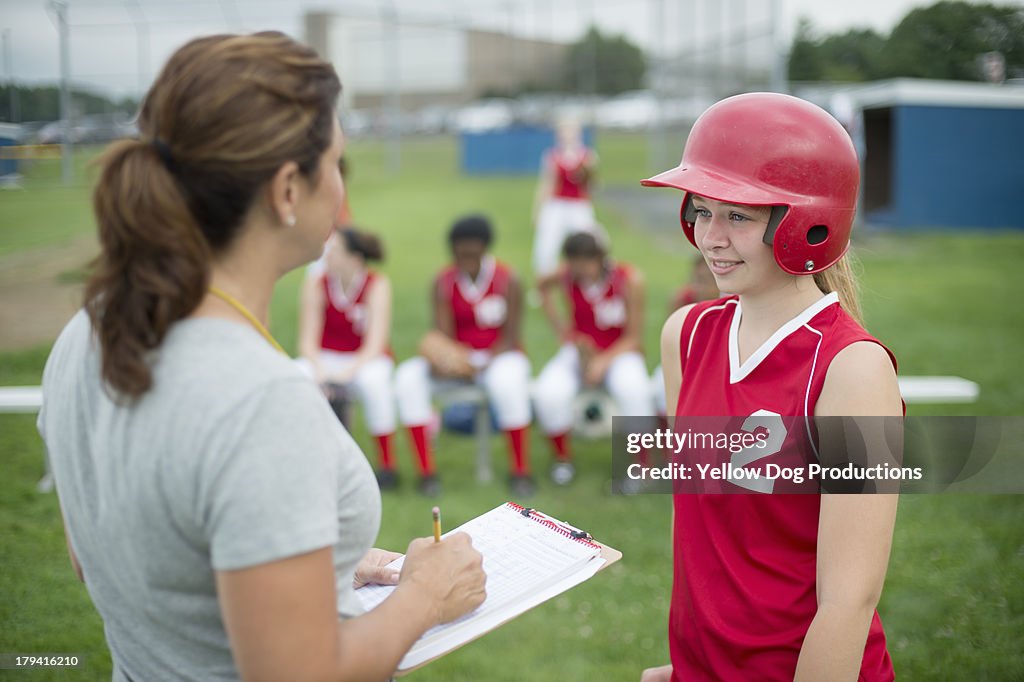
(768, 149)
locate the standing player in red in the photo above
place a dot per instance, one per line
(768, 586)
(477, 304)
(562, 203)
(602, 343)
(344, 327)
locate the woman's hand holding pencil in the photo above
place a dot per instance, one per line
(449, 573)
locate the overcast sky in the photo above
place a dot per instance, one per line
(106, 53)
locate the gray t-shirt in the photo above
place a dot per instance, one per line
(232, 459)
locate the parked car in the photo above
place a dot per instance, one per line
(485, 115)
(636, 110)
(356, 122)
(432, 120)
(90, 129)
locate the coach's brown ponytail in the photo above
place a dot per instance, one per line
(223, 116)
(153, 269)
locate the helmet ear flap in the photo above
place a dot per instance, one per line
(688, 213)
(687, 217)
(778, 213)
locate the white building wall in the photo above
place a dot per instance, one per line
(429, 59)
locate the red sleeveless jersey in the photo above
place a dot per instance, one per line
(743, 593)
(599, 311)
(570, 180)
(480, 308)
(344, 314)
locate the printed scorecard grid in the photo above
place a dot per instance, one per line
(519, 556)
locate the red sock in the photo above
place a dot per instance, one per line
(422, 445)
(560, 441)
(387, 462)
(518, 447)
(643, 458)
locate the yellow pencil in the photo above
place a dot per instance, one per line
(437, 524)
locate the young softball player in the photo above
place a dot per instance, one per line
(768, 586)
(477, 303)
(344, 329)
(602, 342)
(562, 202)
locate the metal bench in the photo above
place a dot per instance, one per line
(21, 399)
(26, 400)
(938, 390)
(914, 389)
(453, 393)
(593, 407)
(446, 393)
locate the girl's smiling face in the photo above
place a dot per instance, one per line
(730, 236)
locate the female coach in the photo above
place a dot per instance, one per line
(220, 515)
(769, 586)
(344, 327)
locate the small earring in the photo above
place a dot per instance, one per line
(290, 221)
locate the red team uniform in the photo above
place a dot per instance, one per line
(567, 209)
(344, 314)
(599, 312)
(570, 183)
(600, 315)
(479, 309)
(745, 564)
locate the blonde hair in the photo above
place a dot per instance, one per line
(842, 278)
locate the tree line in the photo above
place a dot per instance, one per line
(20, 103)
(945, 41)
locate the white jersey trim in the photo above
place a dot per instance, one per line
(738, 372)
(807, 391)
(341, 299)
(472, 290)
(570, 159)
(696, 323)
(595, 293)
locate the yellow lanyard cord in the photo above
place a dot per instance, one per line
(237, 305)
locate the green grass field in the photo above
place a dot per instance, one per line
(946, 303)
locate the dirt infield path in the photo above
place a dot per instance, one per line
(40, 290)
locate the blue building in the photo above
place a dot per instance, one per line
(10, 135)
(510, 151)
(941, 153)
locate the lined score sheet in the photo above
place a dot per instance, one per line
(528, 558)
